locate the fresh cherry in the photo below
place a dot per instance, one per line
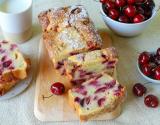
(120, 3)
(130, 11)
(158, 52)
(57, 88)
(113, 14)
(140, 10)
(149, 3)
(138, 18)
(131, 1)
(157, 73)
(144, 58)
(147, 12)
(140, 1)
(139, 90)
(157, 60)
(109, 5)
(151, 101)
(146, 69)
(102, 1)
(123, 19)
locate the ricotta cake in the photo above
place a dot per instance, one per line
(68, 31)
(13, 66)
(86, 65)
(95, 96)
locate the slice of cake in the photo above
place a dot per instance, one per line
(12, 66)
(68, 31)
(84, 66)
(97, 95)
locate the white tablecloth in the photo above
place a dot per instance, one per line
(19, 110)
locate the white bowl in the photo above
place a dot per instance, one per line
(146, 77)
(126, 29)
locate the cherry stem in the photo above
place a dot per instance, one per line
(46, 96)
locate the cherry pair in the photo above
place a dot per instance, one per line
(150, 100)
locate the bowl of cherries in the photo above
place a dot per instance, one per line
(127, 17)
(149, 65)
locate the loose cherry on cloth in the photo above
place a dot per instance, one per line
(139, 90)
(151, 101)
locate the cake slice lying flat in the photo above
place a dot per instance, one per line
(12, 66)
(84, 66)
(68, 31)
(97, 95)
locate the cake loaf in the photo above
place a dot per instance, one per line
(97, 95)
(13, 66)
(68, 31)
(84, 66)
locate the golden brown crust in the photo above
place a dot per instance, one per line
(10, 79)
(68, 30)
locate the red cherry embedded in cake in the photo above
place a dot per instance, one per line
(102, 1)
(157, 73)
(146, 70)
(120, 3)
(113, 14)
(131, 1)
(57, 88)
(138, 18)
(123, 19)
(144, 58)
(158, 52)
(139, 90)
(130, 11)
(109, 4)
(151, 101)
(7, 63)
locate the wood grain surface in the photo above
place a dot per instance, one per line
(57, 108)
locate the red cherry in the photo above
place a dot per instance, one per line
(144, 58)
(140, 1)
(123, 19)
(130, 11)
(151, 101)
(149, 3)
(140, 10)
(157, 73)
(146, 69)
(158, 52)
(138, 18)
(57, 88)
(147, 12)
(113, 14)
(7, 63)
(102, 1)
(131, 1)
(109, 5)
(157, 60)
(120, 3)
(139, 90)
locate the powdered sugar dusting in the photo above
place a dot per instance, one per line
(72, 42)
(81, 14)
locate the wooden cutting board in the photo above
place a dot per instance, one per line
(56, 108)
